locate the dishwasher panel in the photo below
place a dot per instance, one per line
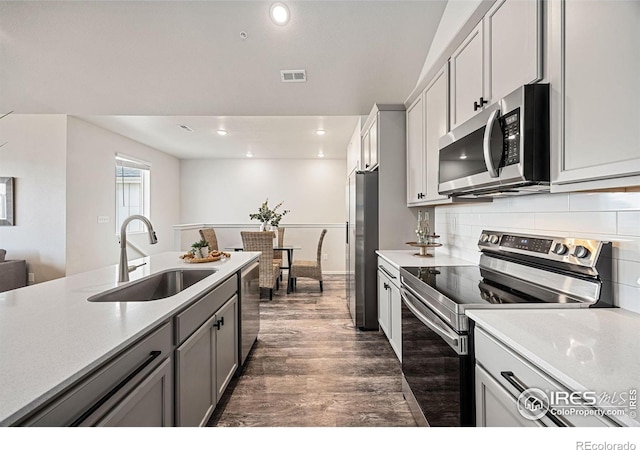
(249, 326)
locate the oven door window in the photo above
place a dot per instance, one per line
(437, 375)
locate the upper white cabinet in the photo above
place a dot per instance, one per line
(503, 52)
(426, 123)
(415, 153)
(466, 65)
(370, 145)
(435, 126)
(595, 68)
(354, 149)
(513, 47)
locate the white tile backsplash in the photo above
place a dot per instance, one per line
(629, 223)
(605, 201)
(580, 222)
(540, 202)
(606, 216)
(627, 272)
(497, 221)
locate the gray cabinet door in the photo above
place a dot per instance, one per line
(495, 407)
(596, 68)
(196, 377)
(384, 303)
(395, 308)
(226, 345)
(150, 404)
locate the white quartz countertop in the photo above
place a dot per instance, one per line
(583, 349)
(407, 258)
(51, 336)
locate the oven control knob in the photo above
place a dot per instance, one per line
(560, 249)
(493, 239)
(580, 252)
(484, 237)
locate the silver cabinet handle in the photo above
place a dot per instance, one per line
(513, 381)
(451, 338)
(493, 173)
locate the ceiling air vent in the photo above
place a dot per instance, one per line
(293, 76)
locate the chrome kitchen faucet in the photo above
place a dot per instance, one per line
(124, 267)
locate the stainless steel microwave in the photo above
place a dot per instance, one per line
(502, 151)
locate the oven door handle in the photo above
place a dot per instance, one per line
(493, 173)
(452, 339)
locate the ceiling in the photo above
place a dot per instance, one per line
(147, 59)
(269, 137)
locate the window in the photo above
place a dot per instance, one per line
(132, 191)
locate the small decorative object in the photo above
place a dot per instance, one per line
(197, 249)
(214, 255)
(269, 217)
(422, 227)
(426, 240)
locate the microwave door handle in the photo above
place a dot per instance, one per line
(493, 173)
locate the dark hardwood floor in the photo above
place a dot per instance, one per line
(311, 368)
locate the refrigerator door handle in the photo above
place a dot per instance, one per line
(347, 230)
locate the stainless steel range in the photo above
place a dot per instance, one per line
(515, 271)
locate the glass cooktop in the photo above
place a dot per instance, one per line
(471, 285)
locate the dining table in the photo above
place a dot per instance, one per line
(285, 248)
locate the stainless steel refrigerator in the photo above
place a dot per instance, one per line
(362, 243)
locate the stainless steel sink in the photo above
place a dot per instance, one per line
(154, 287)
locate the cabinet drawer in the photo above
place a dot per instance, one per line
(193, 317)
(497, 359)
(390, 271)
(90, 398)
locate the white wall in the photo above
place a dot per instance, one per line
(226, 191)
(604, 216)
(91, 192)
(35, 156)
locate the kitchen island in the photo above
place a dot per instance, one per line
(51, 336)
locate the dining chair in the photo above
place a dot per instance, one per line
(209, 235)
(262, 241)
(277, 254)
(308, 269)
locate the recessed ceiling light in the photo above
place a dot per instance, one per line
(463, 156)
(185, 127)
(320, 154)
(249, 155)
(321, 132)
(279, 13)
(222, 132)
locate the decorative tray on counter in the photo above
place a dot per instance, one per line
(213, 256)
(424, 248)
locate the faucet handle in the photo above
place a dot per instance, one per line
(134, 267)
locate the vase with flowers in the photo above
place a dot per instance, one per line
(269, 217)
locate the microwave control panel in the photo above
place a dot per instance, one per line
(511, 138)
